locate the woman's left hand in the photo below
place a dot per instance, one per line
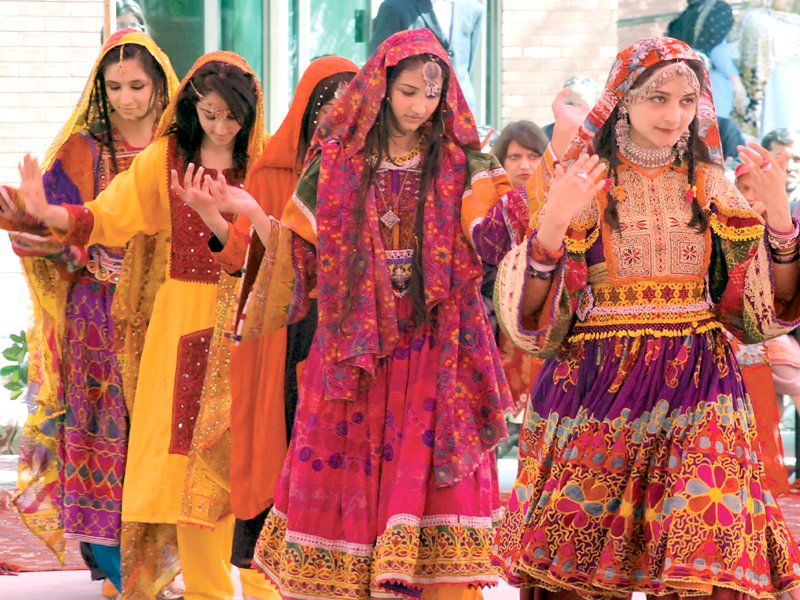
(769, 180)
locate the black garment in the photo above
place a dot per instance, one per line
(88, 557)
(548, 130)
(299, 337)
(703, 25)
(245, 537)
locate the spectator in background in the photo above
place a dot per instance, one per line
(455, 23)
(778, 142)
(704, 25)
(770, 63)
(519, 149)
(130, 16)
(583, 92)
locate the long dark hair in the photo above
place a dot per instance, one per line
(376, 149)
(322, 93)
(237, 89)
(99, 110)
(697, 152)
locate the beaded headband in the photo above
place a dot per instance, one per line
(217, 111)
(432, 73)
(661, 76)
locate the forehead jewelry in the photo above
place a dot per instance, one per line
(661, 76)
(120, 65)
(431, 73)
(217, 111)
(339, 90)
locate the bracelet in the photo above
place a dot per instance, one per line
(785, 259)
(535, 273)
(541, 255)
(780, 240)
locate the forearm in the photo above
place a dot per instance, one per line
(262, 225)
(218, 226)
(786, 278)
(55, 217)
(534, 297)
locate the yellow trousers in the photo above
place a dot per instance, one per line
(256, 586)
(206, 560)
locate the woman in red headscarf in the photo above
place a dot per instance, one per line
(389, 485)
(640, 465)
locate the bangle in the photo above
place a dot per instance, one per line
(780, 240)
(785, 259)
(543, 256)
(535, 273)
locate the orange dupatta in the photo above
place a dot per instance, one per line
(258, 431)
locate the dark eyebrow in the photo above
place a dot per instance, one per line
(665, 93)
(409, 85)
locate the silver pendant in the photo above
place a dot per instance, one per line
(389, 219)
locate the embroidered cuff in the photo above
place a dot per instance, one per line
(81, 224)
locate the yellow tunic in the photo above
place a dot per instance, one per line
(180, 329)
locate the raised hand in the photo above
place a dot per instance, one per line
(769, 180)
(571, 190)
(568, 119)
(232, 199)
(31, 188)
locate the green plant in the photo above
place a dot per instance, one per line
(15, 374)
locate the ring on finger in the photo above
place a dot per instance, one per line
(765, 166)
(582, 175)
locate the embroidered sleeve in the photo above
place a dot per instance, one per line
(502, 228)
(740, 274)
(273, 297)
(304, 261)
(231, 256)
(493, 216)
(131, 204)
(541, 334)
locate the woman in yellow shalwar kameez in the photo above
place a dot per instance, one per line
(217, 122)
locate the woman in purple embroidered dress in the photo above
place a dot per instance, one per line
(73, 456)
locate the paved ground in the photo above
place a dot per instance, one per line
(76, 585)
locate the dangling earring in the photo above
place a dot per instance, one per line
(622, 127)
(682, 145)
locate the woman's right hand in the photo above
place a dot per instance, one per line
(571, 190)
(32, 189)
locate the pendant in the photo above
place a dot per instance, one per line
(389, 219)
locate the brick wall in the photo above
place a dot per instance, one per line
(547, 41)
(47, 48)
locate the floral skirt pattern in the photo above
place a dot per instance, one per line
(640, 471)
(356, 513)
(96, 424)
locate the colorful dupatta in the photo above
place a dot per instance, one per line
(38, 494)
(470, 393)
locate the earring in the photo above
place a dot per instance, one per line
(682, 145)
(622, 127)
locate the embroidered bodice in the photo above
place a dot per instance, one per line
(105, 262)
(652, 270)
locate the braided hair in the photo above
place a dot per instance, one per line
(696, 152)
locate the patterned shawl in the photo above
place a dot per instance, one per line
(469, 393)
